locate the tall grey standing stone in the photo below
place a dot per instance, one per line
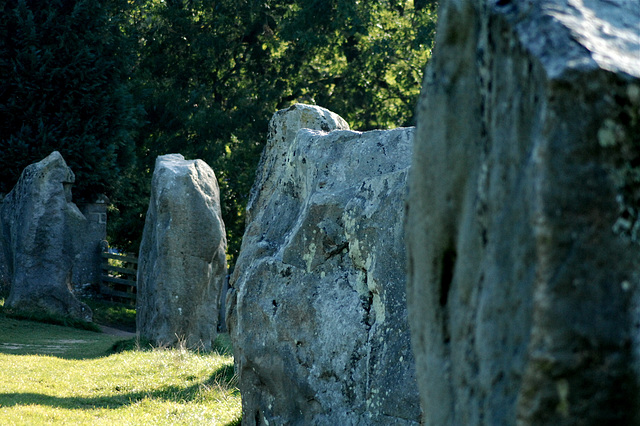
(40, 231)
(317, 309)
(182, 263)
(522, 226)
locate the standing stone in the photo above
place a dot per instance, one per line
(182, 263)
(39, 224)
(317, 312)
(523, 221)
(5, 277)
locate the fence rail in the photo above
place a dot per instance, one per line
(118, 279)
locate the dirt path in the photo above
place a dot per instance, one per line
(116, 332)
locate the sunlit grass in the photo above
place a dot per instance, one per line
(135, 387)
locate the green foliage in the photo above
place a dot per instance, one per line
(63, 86)
(115, 83)
(364, 60)
(212, 73)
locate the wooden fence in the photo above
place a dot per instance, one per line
(119, 275)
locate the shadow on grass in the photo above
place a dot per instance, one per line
(24, 336)
(221, 346)
(48, 318)
(223, 377)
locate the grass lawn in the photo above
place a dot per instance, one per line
(119, 316)
(51, 374)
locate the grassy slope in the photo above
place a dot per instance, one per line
(58, 375)
(118, 316)
(28, 337)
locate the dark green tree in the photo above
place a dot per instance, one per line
(64, 85)
(204, 80)
(211, 73)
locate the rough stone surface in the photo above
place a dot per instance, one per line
(523, 215)
(5, 278)
(182, 262)
(88, 237)
(39, 229)
(317, 309)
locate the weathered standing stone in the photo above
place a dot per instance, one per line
(88, 237)
(317, 312)
(523, 215)
(39, 224)
(182, 262)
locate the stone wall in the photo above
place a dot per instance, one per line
(88, 260)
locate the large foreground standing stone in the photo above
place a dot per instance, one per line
(39, 228)
(317, 314)
(523, 215)
(182, 262)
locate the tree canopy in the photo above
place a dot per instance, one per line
(64, 86)
(201, 78)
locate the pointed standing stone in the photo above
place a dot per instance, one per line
(39, 223)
